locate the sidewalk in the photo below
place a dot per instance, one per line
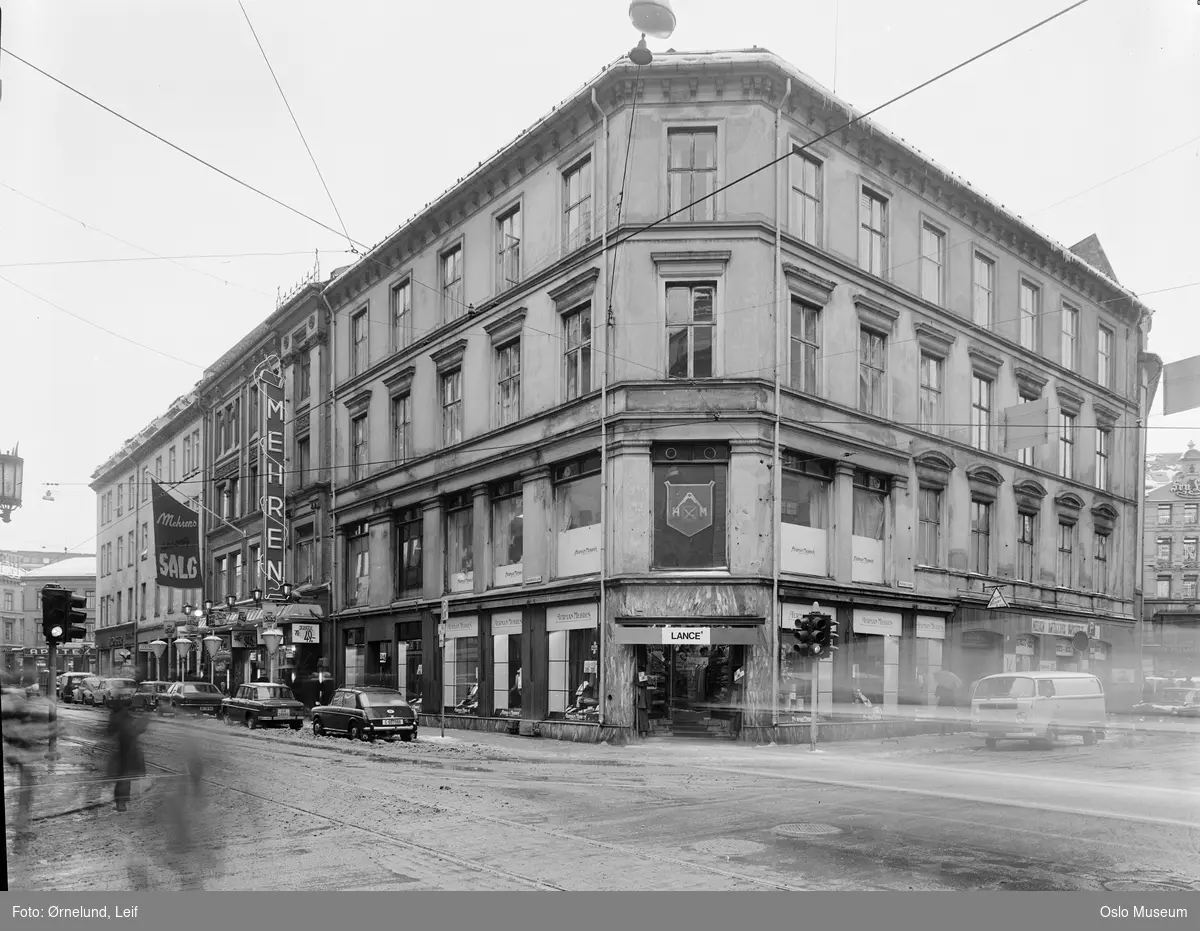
(74, 782)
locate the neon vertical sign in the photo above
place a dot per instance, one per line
(270, 445)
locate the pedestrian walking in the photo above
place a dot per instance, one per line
(17, 722)
(127, 761)
(643, 704)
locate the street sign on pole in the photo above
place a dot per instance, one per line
(997, 600)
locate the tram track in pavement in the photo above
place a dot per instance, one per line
(624, 850)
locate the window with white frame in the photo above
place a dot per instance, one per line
(577, 205)
(577, 356)
(1104, 357)
(1190, 513)
(806, 196)
(1189, 587)
(358, 342)
(981, 537)
(1163, 550)
(872, 232)
(460, 544)
(401, 316)
(931, 392)
(1025, 455)
(1030, 297)
(1189, 551)
(304, 377)
(171, 464)
(358, 448)
(451, 274)
(401, 428)
(508, 539)
(1066, 444)
(508, 249)
(304, 555)
(691, 173)
(691, 324)
(508, 383)
(577, 516)
(1103, 454)
(981, 411)
(452, 426)
(1164, 513)
(983, 290)
(929, 526)
(1026, 545)
(1162, 587)
(1066, 555)
(806, 486)
(872, 372)
(933, 263)
(805, 346)
(410, 546)
(868, 525)
(1070, 336)
(303, 460)
(131, 547)
(358, 565)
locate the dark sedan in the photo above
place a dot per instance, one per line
(263, 704)
(147, 695)
(1174, 702)
(366, 713)
(190, 698)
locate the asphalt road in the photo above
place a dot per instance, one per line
(286, 810)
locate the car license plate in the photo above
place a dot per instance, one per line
(390, 722)
(283, 713)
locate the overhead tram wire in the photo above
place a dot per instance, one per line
(296, 123)
(167, 258)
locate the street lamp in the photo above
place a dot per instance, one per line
(286, 590)
(208, 605)
(650, 17)
(183, 646)
(271, 640)
(256, 594)
(230, 601)
(12, 470)
(212, 643)
(159, 647)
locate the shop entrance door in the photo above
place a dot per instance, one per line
(693, 691)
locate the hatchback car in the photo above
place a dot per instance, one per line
(147, 694)
(263, 704)
(366, 713)
(112, 692)
(190, 697)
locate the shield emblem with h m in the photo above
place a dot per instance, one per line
(689, 507)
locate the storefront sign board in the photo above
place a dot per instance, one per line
(804, 550)
(888, 623)
(579, 616)
(1025, 645)
(1042, 625)
(1064, 648)
(686, 636)
(462, 627)
(506, 622)
(931, 627)
(306, 633)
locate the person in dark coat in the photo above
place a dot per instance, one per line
(127, 761)
(643, 703)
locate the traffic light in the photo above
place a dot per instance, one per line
(54, 613)
(76, 617)
(824, 634)
(805, 634)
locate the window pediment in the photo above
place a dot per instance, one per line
(876, 315)
(806, 284)
(450, 357)
(1069, 402)
(933, 340)
(1068, 505)
(574, 291)
(984, 482)
(1105, 416)
(984, 362)
(1029, 495)
(358, 402)
(1030, 382)
(933, 468)
(691, 263)
(401, 382)
(1104, 517)
(507, 327)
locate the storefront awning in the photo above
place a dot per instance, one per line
(285, 614)
(688, 631)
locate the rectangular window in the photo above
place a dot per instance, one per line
(931, 393)
(142, 603)
(358, 566)
(120, 550)
(358, 343)
(460, 675)
(1026, 545)
(238, 575)
(305, 557)
(1029, 311)
(806, 197)
(804, 511)
(572, 674)
(1164, 513)
(981, 412)
(577, 205)
(255, 420)
(508, 383)
(1163, 549)
(120, 503)
(358, 449)
(171, 464)
(508, 542)
(508, 249)
(1189, 513)
(1104, 362)
(872, 372)
(460, 544)
(578, 354)
(187, 455)
(929, 518)
(983, 293)
(691, 173)
(253, 490)
(690, 509)
(401, 315)
(158, 462)
(452, 408)
(452, 293)
(401, 428)
(304, 378)
(145, 484)
(1162, 587)
(1189, 551)
(1066, 445)
(577, 516)
(1070, 336)
(868, 525)
(131, 549)
(506, 673)
(254, 569)
(933, 263)
(872, 233)
(690, 325)
(1066, 555)
(409, 550)
(805, 346)
(303, 461)
(1103, 453)
(1189, 587)
(981, 537)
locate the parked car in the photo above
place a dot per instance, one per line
(67, 682)
(1172, 702)
(112, 692)
(1038, 707)
(366, 713)
(147, 694)
(86, 688)
(190, 697)
(263, 704)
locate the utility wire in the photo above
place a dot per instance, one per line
(296, 123)
(165, 258)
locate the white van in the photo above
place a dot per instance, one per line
(1038, 707)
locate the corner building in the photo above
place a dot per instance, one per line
(795, 394)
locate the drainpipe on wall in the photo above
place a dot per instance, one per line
(1139, 582)
(137, 563)
(601, 694)
(776, 467)
(334, 587)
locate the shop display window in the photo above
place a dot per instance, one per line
(574, 674)
(506, 651)
(460, 680)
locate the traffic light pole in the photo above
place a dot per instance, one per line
(812, 716)
(52, 688)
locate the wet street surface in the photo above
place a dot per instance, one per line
(287, 810)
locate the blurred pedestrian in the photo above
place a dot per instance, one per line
(20, 742)
(643, 704)
(127, 761)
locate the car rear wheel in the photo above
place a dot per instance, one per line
(990, 742)
(407, 738)
(354, 732)
(318, 728)
(252, 722)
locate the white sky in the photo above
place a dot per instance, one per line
(398, 100)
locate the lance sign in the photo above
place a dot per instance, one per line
(176, 541)
(270, 384)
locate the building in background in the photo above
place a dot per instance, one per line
(12, 614)
(77, 573)
(133, 610)
(522, 355)
(1171, 612)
